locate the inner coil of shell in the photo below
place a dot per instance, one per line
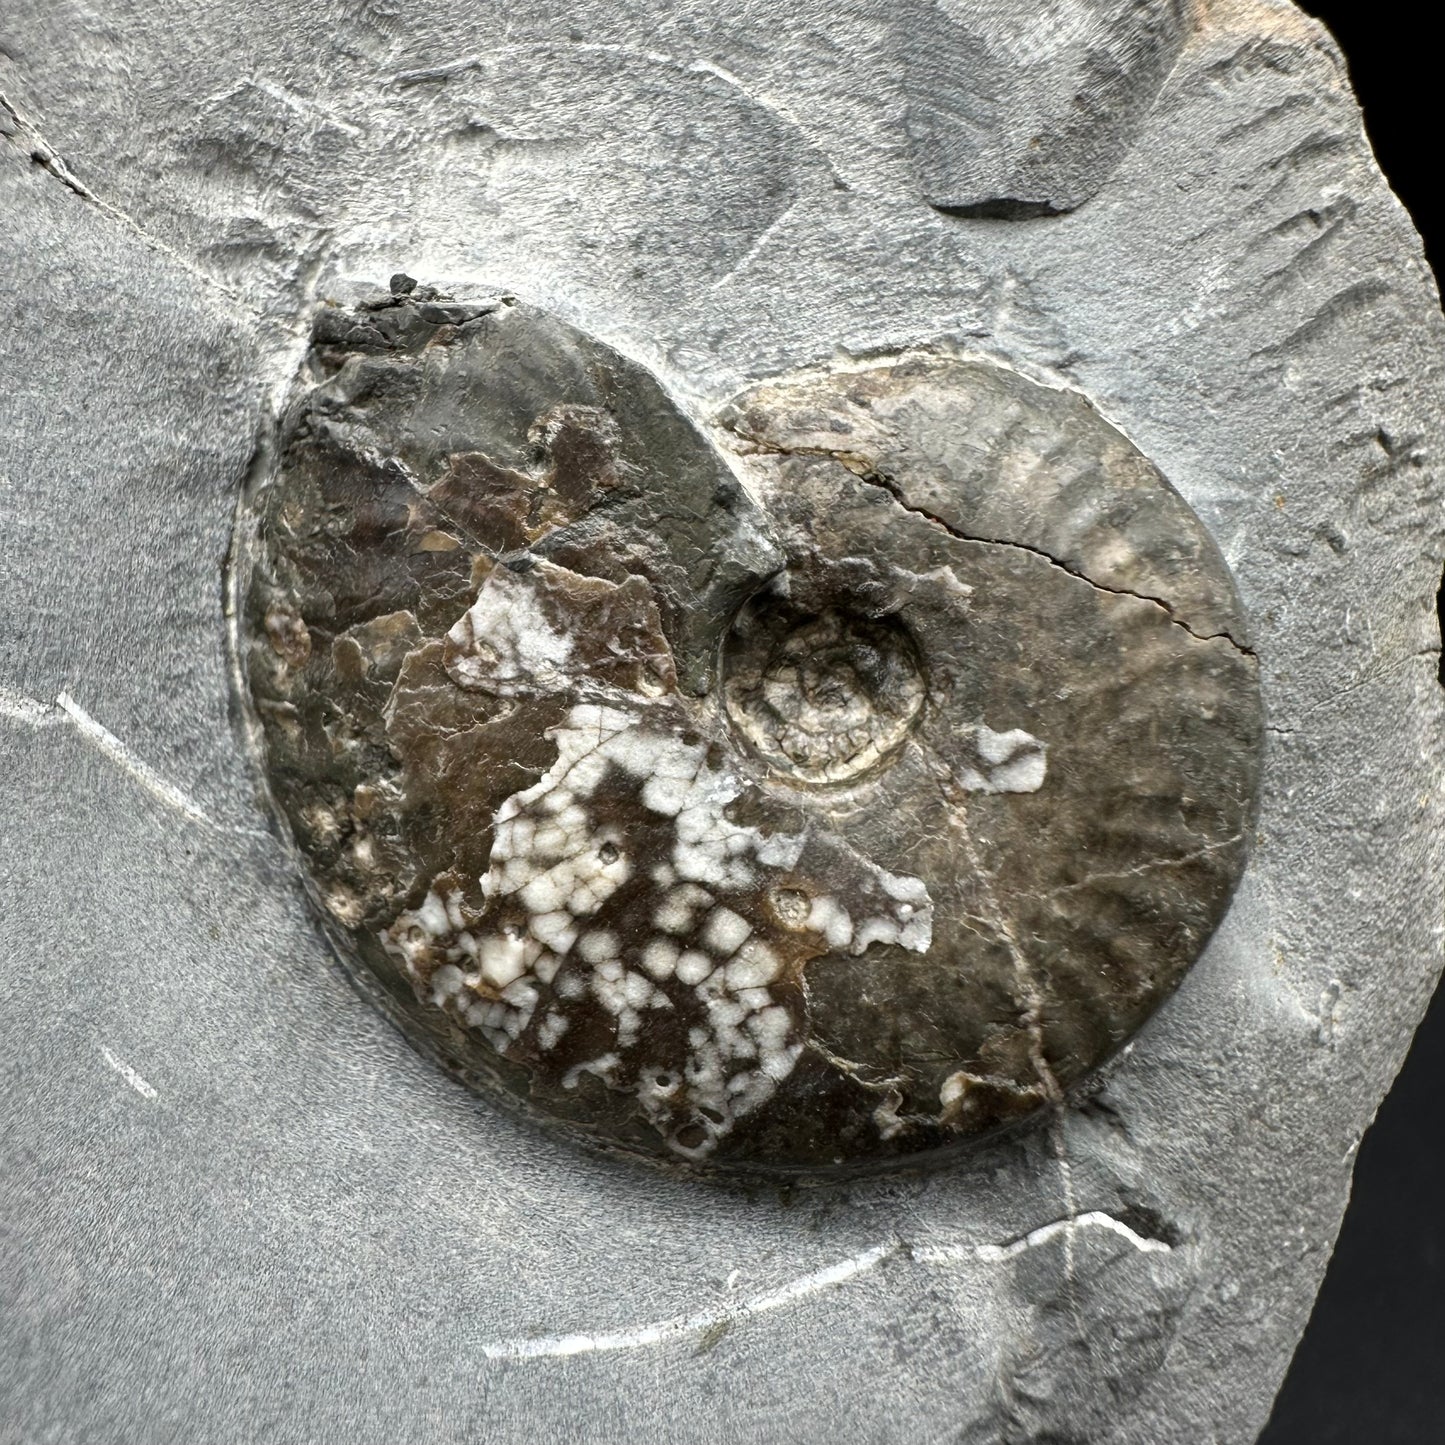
(825, 789)
(822, 698)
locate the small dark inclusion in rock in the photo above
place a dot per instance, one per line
(814, 823)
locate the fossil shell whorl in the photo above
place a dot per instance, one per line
(807, 824)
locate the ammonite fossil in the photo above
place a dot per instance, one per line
(836, 779)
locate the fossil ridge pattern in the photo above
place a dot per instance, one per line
(838, 787)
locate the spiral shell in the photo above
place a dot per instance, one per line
(840, 785)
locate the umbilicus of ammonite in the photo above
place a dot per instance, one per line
(813, 785)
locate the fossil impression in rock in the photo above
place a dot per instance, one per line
(825, 783)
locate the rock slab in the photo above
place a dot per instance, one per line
(236, 1203)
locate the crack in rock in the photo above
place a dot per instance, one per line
(711, 1321)
(41, 152)
(65, 711)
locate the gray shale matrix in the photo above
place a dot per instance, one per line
(874, 603)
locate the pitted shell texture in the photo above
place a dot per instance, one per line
(825, 789)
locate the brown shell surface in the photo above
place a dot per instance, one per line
(823, 792)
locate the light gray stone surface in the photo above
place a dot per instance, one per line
(233, 1204)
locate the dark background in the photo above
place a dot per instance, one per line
(1371, 1368)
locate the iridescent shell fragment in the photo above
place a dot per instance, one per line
(835, 784)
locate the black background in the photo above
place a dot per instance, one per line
(1371, 1368)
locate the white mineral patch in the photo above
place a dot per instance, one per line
(553, 856)
(1008, 762)
(504, 641)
